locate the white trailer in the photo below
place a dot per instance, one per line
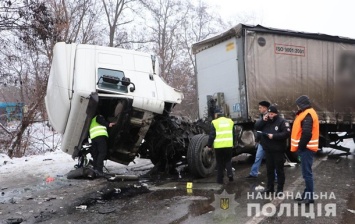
(247, 64)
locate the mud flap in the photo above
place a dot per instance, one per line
(90, 113)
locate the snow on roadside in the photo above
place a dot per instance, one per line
(38, 138)
(58, 163)
(44, 157)
(48, 164)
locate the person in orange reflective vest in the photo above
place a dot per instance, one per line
(222, 138)
(304, 139)
(99, 135)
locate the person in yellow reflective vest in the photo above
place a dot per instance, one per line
(99, 135)
(304, 139)
(222, 138)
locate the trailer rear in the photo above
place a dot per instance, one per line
(247, 64)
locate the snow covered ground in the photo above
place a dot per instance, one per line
(56, 164)
(44, 158)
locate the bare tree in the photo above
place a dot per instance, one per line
(115, 18)
(32, 73)
(28, 59)
(10, 14)
(76, 21)
(167, 16)
(30, 28)
(200, 23)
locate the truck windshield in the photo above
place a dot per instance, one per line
(109, 80)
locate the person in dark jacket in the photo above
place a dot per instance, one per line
(304, 139)
(260, 153)
(274, 133)
(222, 138)
(99, 135)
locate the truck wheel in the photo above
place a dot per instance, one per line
(201, 162)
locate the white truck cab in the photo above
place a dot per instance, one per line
(122, 84)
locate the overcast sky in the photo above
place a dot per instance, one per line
(333, 17)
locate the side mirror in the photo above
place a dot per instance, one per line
(126, 82)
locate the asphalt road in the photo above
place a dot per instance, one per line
(166, 199)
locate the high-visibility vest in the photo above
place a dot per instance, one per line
(297, 131)
(224, 133)
(97, 129)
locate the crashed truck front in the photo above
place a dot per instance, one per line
(122, 84)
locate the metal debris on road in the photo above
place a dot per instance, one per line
(81, 207)
(49, 179)
(106, 210)
(259, 188)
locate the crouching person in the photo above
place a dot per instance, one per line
(99, 135)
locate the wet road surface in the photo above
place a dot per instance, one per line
(166, 199)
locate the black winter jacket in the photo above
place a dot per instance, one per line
(280, 129)
(307, 126)
(101, 120)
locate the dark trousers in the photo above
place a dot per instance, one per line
(306, 164)
(99, 152)
(275, 161)
(224, 161)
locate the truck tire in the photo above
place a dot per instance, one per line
(201, 162)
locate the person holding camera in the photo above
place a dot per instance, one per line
(274, 132)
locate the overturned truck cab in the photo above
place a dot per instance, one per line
(126, 88)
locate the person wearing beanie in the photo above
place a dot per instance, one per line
(221, 138)
(260, 153)
(275, 130)
(304, 139)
